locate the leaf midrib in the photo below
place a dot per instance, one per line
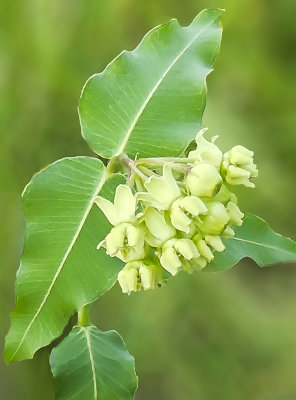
(156, 86)
(259, 244)
(92, 362)
(62, 263)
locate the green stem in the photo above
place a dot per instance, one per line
(132, 166)
(162, 160)
(83, 316)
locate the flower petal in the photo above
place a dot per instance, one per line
(108, 209)
(124, 204)
(163, 188)
(170, 261)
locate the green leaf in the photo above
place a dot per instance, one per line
(60, 270)
(93, 365)
(150, 101)
(256, 240)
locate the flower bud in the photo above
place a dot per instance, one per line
(128, 278)
(215, 242)
(239, 155)
(174, 251)
(239, 166)
(206, 152)
(228, 232)
(184, 210)
(147, 277)
(203, 180)
(216, 220)
(204, 250)
(151, 276)
(234, 213)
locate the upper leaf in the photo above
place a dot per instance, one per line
(93, 365)
(61, 270)
(254, 239)
(150, 101)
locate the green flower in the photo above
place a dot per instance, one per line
(128, 278)
(239, 167)
(161, 190)
(151, 276)
(214, 223)
(123, 209)
(215, 242)
(138, 275)
(203, 180)
(234, 213)
(159, 229)
(125, 241)
(184, 210)
(176, 252)
(206, 152)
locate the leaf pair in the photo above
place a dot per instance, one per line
(149, 102)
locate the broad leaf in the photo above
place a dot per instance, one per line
(254, 239)
(157, 91)
(61, 270)
(93, 365)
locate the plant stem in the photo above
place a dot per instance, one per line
(83, 316)
(132, 166)
(161, 160)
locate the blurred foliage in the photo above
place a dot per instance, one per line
(230, 335)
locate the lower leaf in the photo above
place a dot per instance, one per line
(93, 365)
(61, 270)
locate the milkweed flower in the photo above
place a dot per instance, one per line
(161, 190)
(206, 152)
(203, 180)
(239, 167)
(126, 239)
(175, 252)
(179, 215)
(184, 210)
(139, 275)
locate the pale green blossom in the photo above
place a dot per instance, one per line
(125, 241)
(215, 242)
(123, 209)
(175, 252)
(184, 210)
(203, 180)
(161, 190)
(206, 152)
(159, 228)
(139, 275)
(216, 220)
(228, 232)
(234, 213)
(239, 166)
(128, 278)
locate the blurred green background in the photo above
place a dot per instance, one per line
(224, 336)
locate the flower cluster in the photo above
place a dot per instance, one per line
(178, 215)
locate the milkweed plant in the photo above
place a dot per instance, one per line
(159, 199)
